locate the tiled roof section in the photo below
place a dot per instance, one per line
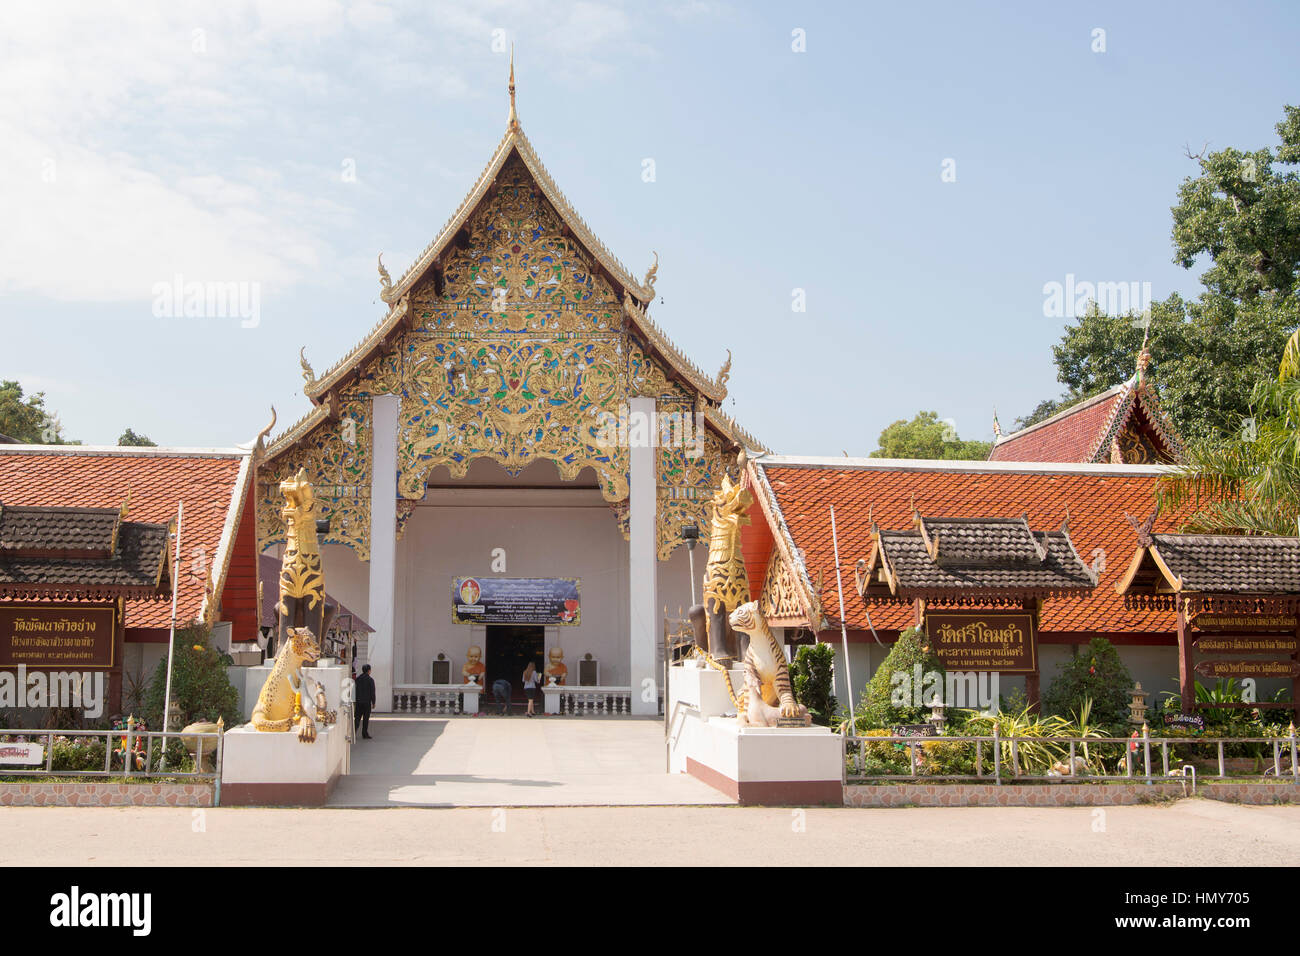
(26, 528)
(889, 492)
(1232, 564)
(156, 481)
(1068, 436)
(987, 557)
(982, 541)
(137, 567)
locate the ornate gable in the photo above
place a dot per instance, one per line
(517, 337)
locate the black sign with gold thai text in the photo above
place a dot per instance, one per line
(57, 636)
(983, 640)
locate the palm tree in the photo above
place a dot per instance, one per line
(1248, 482)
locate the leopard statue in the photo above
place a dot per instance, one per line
(768, 699)
(279, 706)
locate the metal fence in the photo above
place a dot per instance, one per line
(127, 753)
(998, 759)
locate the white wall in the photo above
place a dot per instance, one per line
(446, 542)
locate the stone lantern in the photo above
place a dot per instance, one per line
(1137, 708)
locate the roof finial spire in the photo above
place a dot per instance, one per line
(514, 117)
(997, 428)
(1144, 354)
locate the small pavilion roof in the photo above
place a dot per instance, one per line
(81, 554)
(1213, 564)
(972, 559)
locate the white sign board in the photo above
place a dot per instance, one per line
(21, 754)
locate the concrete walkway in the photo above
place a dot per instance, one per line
(1181, 838)
(515, 762)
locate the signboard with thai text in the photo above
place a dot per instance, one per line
(1216, 622)
(983, 640)
(489, 600)
(1240, 669)
(1279, 645)
(57, 636)
(21, 754)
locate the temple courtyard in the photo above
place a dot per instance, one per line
(1191, 832)
(515, 761)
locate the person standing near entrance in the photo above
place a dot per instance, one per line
(531, 681)
(365, 700)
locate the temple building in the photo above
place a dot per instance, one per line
(789, 547)
(1122, 425)
(93, 503)
(507, 461)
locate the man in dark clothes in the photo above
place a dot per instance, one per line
(365, 700)
(501, 692)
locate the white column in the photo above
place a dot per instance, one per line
(381, 613)
(643, 563)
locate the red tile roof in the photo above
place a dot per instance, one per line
(1068, 436)
(885, 491)
(156, 480)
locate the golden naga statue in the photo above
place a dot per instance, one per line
(279, 705)
(556, 670)
(302, 580)
(474, 668)
(726, 585)
(769, 697)
(303, 617)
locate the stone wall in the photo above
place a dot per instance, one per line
(1061, 794)
(105, 795)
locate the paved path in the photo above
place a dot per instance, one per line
(1189, 833)
(515, 761)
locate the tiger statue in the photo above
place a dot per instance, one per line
(768, 699)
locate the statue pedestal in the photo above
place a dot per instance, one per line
(551, 698)
(469, 698)
(279, 770)
(774, 766)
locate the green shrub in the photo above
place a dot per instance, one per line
(812, 676)
(1096, 673)
(77, 753)
(877, 707)
(200, 685)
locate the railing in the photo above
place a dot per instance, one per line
(428, 698)
(998, 759)
(127, 753)
(576, 701)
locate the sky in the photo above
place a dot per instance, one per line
(913, 175)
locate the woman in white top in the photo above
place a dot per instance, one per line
(531, 681)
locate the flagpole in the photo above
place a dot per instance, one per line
(844, 634)
(171, 636)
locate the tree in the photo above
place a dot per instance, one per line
(1248, 481)
(1245, 214)
(130, 439)
(26, 420)
(926, 436)
(1097, 674)
(1242, 210)
(889, 700)
(201, 688)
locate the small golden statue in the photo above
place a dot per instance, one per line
(556, 670)
(474, 667)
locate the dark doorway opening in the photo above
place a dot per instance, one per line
(509, 649)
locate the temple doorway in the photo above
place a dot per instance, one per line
(509, 649)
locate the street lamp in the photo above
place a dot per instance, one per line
(691, 535)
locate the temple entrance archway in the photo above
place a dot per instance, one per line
(509, 649)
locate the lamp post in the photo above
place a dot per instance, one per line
(691, 535)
